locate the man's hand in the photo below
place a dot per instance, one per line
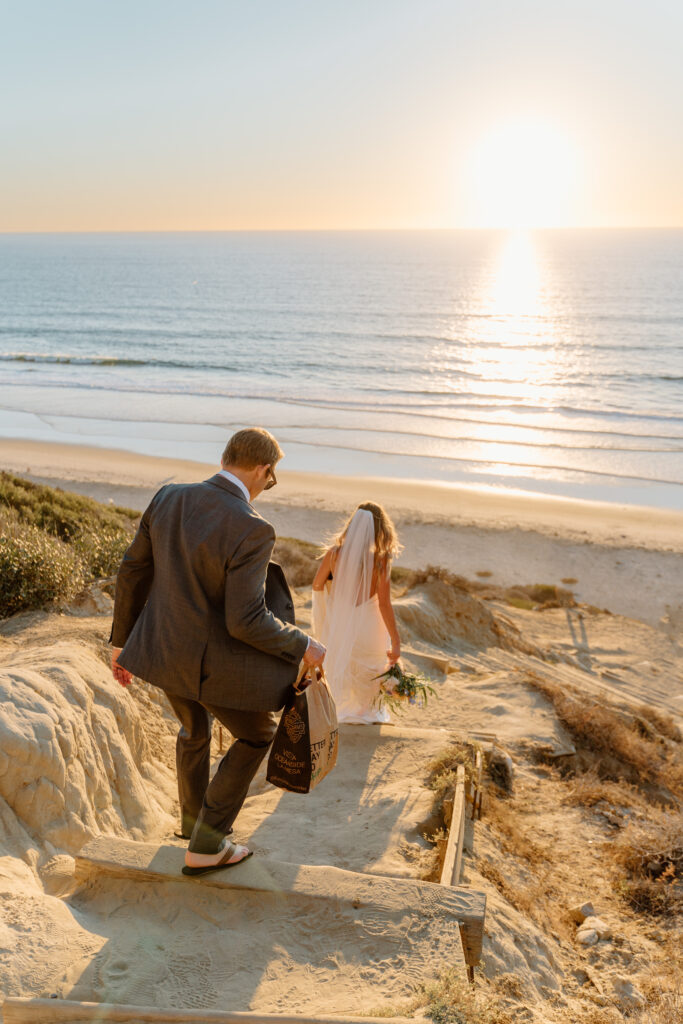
(121, 675)
(315, 653)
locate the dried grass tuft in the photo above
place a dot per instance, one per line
(611, 744)
(663, 989)
(664, 724)
(298, 558)
(589, 790)
(650, 851)
(449, 999)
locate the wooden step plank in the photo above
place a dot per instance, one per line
(121, 858)
(452, 865)
(389, 731)
(63, 1011)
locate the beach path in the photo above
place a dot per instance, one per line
(330, 914)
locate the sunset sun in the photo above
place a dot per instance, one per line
(523, 175)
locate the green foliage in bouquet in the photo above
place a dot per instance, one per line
(398, 688)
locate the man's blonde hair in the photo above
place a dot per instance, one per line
(250, 448)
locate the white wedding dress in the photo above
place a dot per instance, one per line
(348, 621)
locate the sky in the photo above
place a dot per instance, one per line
(156, 115)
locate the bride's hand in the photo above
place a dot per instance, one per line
(395, 653)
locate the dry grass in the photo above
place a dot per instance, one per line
(411, 578)
(507, 817)
(634, 777)
(609, 743)
(534, 892)
(650, 851)
(541, 596)
(652, 844)
(663, 724)
(664, 988)
(442, 771)
(298, 558)
(527, 876)
(647, 849)
(451, 1000)
(510, 890)
(531, 597)
(589, 790)
(536, 595)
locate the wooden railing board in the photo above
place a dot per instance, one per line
(64, 1011)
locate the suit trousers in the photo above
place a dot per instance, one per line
(208, 809)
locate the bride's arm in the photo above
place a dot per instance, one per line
(387, 610)
(323, 570)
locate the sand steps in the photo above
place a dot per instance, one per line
(365, 813)
(295, 940)
(120, 858)
(64, 1011)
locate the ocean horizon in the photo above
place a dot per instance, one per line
(548, 362)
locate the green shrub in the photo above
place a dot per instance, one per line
(62, 513)
(99, 534)
(36, 569)
(102, 552)
(53, 542)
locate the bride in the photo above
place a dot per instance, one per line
(352, 612)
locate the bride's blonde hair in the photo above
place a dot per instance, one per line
(386, 537)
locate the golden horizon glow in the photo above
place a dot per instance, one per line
(280, 117)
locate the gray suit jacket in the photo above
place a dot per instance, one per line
(200, 609)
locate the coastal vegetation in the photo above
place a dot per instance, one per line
(53, 542)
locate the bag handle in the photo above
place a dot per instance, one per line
(304, 672)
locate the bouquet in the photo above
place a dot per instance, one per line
(398, 687)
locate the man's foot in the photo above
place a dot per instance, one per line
(227, 856)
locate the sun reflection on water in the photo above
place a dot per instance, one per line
(515, 353)
(515, 288)
(504, 353)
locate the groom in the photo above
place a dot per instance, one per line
(202, 613)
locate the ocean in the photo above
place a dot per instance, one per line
(549, 362)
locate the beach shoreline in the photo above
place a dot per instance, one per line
(628, 559)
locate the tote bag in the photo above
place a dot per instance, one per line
(305, 747)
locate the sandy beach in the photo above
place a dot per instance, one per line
(625, 558)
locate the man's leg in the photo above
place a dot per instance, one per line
(227, 791)
(193, 758)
